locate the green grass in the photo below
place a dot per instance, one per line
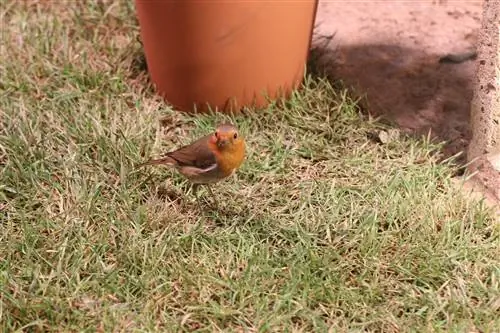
(323, 227)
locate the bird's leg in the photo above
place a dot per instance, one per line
(195, 192)
(213, 196)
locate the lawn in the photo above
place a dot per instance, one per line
(324, 228)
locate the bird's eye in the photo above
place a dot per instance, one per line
(216, 134)
(235, 135)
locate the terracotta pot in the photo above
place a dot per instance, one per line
(225, 54)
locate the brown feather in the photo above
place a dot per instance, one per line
(196, 154)
(164, 160)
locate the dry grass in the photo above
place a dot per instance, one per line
(324, 228)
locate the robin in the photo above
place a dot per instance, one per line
(209, 159)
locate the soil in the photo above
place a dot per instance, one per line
(390, 52)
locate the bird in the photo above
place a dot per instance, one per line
(208, 160)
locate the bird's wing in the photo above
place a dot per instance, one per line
(197, 154)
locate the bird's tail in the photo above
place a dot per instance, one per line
(161, 161)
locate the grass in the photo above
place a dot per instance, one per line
(323, 229)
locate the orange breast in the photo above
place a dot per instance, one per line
(231, 158)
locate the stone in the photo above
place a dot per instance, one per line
(485, 105)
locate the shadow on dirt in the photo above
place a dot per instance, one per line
(403, 86)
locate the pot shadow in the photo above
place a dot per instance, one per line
(134, 59)
(137, 63)
(404, 86)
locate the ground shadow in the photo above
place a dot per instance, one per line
(405, 86)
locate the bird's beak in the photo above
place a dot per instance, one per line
(222, 143)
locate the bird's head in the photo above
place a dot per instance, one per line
(226, 137)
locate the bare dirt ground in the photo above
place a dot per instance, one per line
(390, 52)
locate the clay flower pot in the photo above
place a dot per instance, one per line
(225, 54)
